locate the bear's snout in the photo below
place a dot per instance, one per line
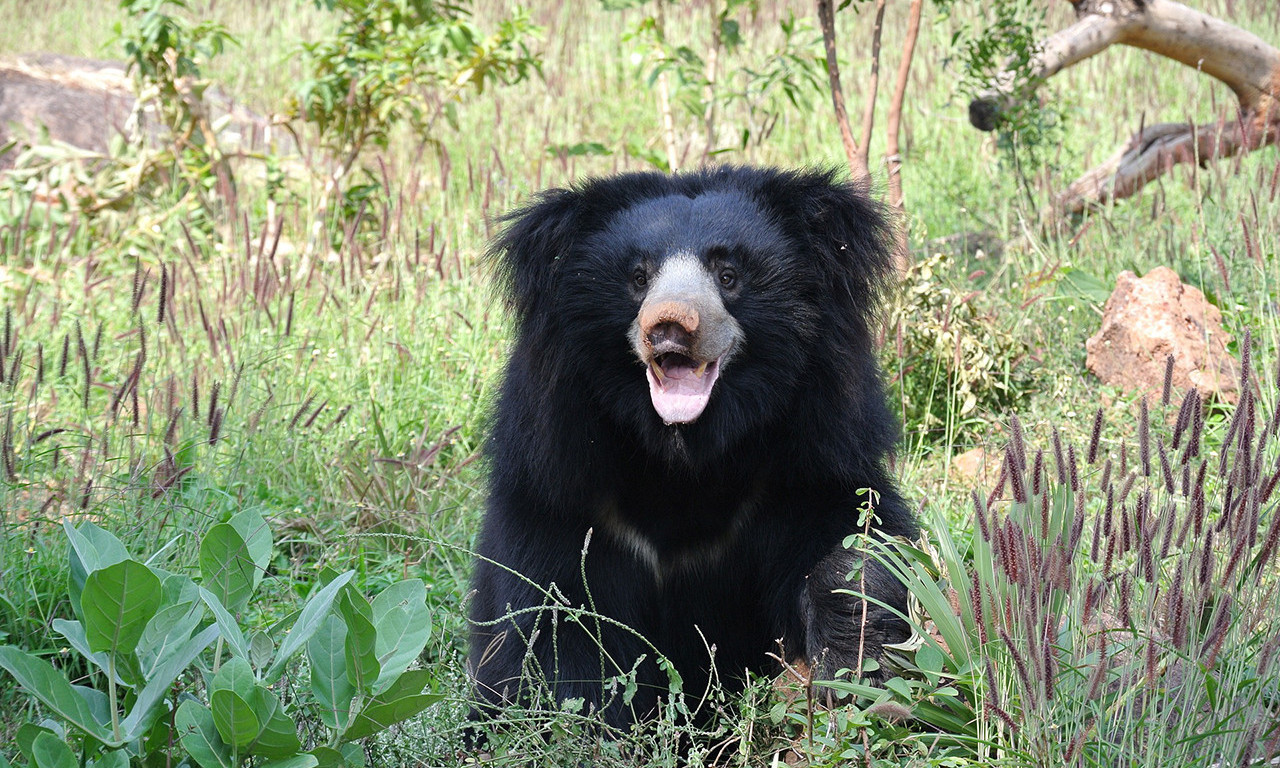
(670, 327)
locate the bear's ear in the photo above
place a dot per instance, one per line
(535, 237)
(848, 233)
(852, 233)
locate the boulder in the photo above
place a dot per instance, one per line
(1148, 318)
(85, 102)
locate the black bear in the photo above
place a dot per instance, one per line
(691, 408)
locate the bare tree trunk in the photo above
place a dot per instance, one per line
(1242, 60)
(893, 155)
(827, 19)
(893, 159)
(873, 84)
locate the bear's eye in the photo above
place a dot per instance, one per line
(639, 279)
(728, 278)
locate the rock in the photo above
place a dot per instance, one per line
(85, 102)
(1149, 318)
(81, 102)
(977, 465)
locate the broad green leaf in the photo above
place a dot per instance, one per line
(279, 736)
(309, 619)
(48, 751)
(256, 535)
(73, 632)
(296, 761)
(166, 632)
(91, 548)
(403, 624)
(929, 660)
(117, 603)
(98, 701)
(379, 715)
(234, 718)
(226, 624)
(327, 757)
(116, 758)
(329, 683)
(226, 566)
(261, 649)
(352, 755)
(157, 688)
(52, 689)
(236, 676)
(199, 736)
(26, 736)
(362, 660)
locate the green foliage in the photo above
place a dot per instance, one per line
(166, 54)
(955, 359)
(404, 61)
(733, 90)
(143, 629)
(1001, 49)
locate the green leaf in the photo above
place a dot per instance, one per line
(384, 711)
(353, 755)
(362, 637)
(403, 624)
(261, 649)
(199, 736)
(91, 549)
(73, 632)
(929, 660)
(163, 675)
(48, 751)
(26, 735)
(256, 534)
(295, 761)
(327, 757)
(234, 718)
(1076, 283)
(329, 683)
(227, 567)
(279, 736)
(48, 685)
(309, 619)
(165, 633)
(226, 624)
(118, 601)
(116, 758)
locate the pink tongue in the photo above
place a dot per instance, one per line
(683, 396)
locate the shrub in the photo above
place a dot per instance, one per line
(145, 633)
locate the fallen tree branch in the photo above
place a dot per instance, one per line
(1246, 63)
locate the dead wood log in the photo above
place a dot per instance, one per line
(1246, 63)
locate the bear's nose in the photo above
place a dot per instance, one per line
(670, 336)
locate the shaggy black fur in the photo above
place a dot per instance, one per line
(724, 533)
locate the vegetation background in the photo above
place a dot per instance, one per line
(304, 330)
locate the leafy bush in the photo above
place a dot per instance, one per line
(393, 61)
(143, 630)
(953, 360)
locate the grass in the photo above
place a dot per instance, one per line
(353, 384)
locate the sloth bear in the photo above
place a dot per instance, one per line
(690, 410)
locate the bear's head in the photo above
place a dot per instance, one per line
(691, 311)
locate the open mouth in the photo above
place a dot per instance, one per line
(680, 386)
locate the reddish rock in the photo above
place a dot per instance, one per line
(1149, 318)
(977, 464)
